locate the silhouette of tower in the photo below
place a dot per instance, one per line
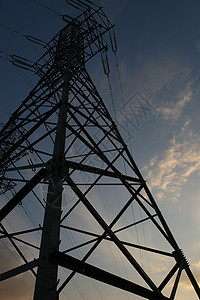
(63, 160)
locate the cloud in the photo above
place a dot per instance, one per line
(198, 46)
(157, 73)
(172, 111)
(19, 287)
(167, 172)
(185, 282)
(114, 7)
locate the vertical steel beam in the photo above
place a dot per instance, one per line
(46, 281)
(47, 276)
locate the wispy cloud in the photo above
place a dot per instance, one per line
(198, 46)
(19, 287)
(114, 7)
(167, 172)
(172, 110)
(185, 282)
(156, 74)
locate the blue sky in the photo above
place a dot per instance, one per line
(159, 62)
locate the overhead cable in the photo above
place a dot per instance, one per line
(28, 37)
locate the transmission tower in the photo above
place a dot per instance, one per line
(64, 161)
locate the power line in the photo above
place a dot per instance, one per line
(47, 7)
(28, 37)
(11, 29)
(24, 76)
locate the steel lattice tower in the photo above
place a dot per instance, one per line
(63, 134)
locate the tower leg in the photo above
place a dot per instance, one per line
(46, 281)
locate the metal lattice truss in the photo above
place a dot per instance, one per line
(63, 157)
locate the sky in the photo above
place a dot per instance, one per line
(158, 59)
